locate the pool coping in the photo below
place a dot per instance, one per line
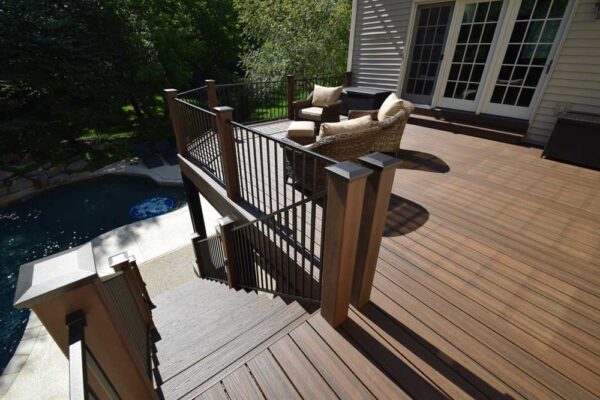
(167, 175)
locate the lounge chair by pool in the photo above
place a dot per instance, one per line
(150, 160)
(166, 151)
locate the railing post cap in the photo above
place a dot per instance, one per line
(209, 80)
(349, 170)
(42, 279)
(223, 109)
(170, 91)
(380, 160)
(226, 221)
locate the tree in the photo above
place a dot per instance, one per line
(72, 65)
(301, 37)
(65, 67)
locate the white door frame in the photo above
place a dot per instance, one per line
(514, 111)
(409, 39)
(466, 105)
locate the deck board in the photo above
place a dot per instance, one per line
(487, 285)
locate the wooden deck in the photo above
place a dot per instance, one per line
(488, 286)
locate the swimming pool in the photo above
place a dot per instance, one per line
(64, 217)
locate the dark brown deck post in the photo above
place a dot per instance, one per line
(374, 214)
(348, 78)
(291, 87)
(225, 231)
(228, 153)
(176, 121)
(194, 206)
(211, 90)
(346, 183)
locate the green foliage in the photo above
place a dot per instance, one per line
(304, 38)
(69, 67)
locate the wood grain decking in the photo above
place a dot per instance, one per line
(487, 286)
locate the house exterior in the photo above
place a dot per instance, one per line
(527, 60)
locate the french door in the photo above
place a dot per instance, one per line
(526, 57)
(498, 53)
(430, 35)
(470, 58)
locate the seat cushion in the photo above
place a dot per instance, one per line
(311, 113)
(325, 96)
(301, 129)
(391, 106)
(348, 126)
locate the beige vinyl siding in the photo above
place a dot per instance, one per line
(379, 40)
(574, 84)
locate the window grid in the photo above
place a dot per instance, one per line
(427, 50)
(472, 49)
(528, 51)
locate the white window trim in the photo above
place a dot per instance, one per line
(352, 33)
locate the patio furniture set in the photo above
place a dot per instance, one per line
(317, 127)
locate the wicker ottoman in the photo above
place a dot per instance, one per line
(302, 132)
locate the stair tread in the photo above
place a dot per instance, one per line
(191, 349)
(278, 322)
(204, 291)
(184, 319)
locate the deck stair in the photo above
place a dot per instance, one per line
(208, 330)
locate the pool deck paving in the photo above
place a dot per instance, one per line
(38, 368)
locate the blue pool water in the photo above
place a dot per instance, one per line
(64, 217)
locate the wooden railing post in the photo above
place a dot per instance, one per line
(348, 78)
(291, 87)
(225, 227)
(211, 90)
(78, 381)
(194, 206)
(346, 183)
(374, 214)
(176, 121)
(228, 153)
(59, 285)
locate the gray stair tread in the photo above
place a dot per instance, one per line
(197, 320)
(198, 343)
(193, 380)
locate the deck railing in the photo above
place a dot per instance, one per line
(281, 252)
(275, 173)
(211, 257)
(297, 245)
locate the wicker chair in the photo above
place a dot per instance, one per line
(390, 130)
(308, 172)
(330, 113)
